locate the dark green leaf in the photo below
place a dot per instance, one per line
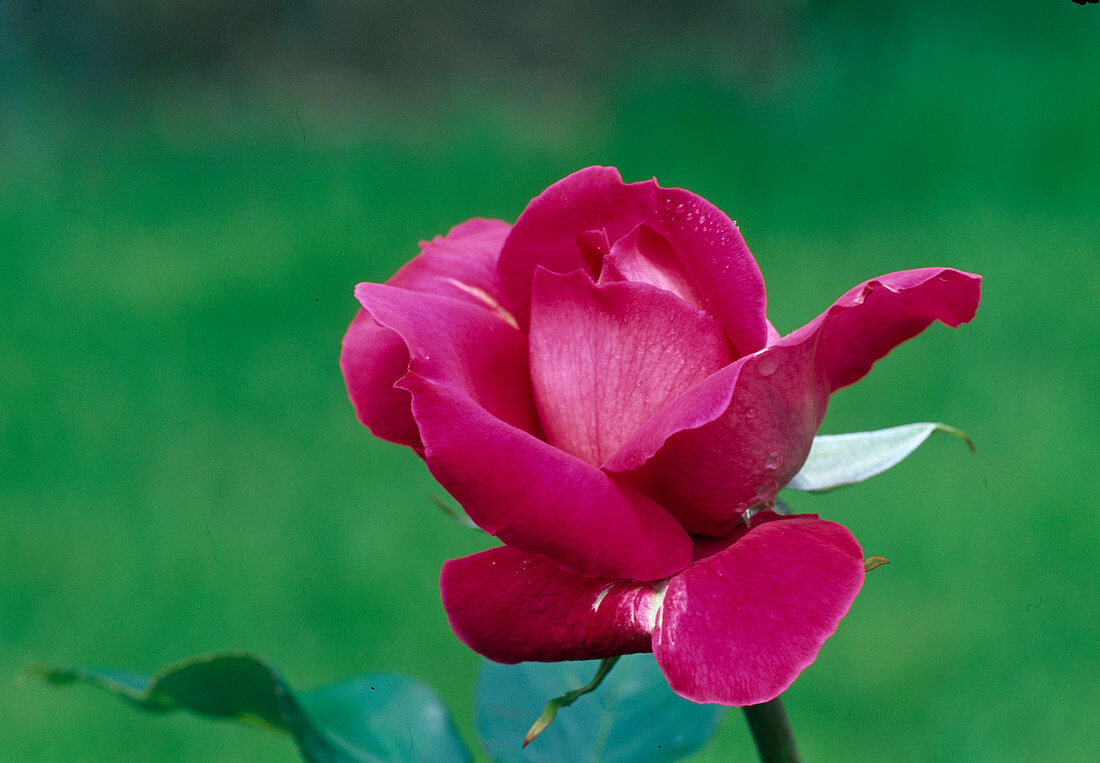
(632, 716)
(379, 717)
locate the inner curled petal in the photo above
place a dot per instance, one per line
(605, 358)
(646, 256)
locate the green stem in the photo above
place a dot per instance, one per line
(772, 732)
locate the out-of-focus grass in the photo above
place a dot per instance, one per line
(181, 470)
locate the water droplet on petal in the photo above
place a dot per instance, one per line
(772, 461)
(767, 366)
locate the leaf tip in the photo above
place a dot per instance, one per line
(873, 562)
(958, 433)
(969, 442)
(454, 514)
(44, 672)
(543, 721)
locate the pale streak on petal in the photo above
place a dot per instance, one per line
(600, 597)
(655, 605)
(482, 295)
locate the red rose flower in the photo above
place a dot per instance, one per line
(600, 389)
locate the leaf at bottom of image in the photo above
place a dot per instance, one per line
(375, 717)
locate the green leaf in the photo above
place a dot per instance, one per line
(836, 460)
(390, 716)
(632, 716)
(369, 718)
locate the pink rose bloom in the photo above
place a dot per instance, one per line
(600, 389)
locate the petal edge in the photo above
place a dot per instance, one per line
(738, 627)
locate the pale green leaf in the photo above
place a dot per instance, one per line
(836, 460)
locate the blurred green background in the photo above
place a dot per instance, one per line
(189, 192)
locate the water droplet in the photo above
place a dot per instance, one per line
(689, 216)
(772, 461)
(679, 208)
(767, 366)
(750, 413)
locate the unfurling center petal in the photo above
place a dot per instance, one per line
(604, 358)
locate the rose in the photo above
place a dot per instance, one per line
(599, 388)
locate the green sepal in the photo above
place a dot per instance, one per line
(836, 460)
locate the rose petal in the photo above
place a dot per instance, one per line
(605, 358)
(512, 607)
(457, 341)
(471, 402)
(643, 255)
(540, 499)
(878, 315)
(713, 255)
(373, 358)
(738, 627)
(461, 264)
(730, 442)
(737, 437)
(719, 264)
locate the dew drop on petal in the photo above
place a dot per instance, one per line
(767, 366)
(772, 461)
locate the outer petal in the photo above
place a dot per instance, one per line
(605, 358)
(372, 360)
(738, 627)
(514, 607)
(471, 401)
(461, 265)
(713, 254)
(731, 441)
(456, 341)
(542, 500)
(878, 315)
(737, 437)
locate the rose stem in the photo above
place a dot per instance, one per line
(772, 732)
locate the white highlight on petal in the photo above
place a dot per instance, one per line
(655, 604)
(600, 597)
(482, 295)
